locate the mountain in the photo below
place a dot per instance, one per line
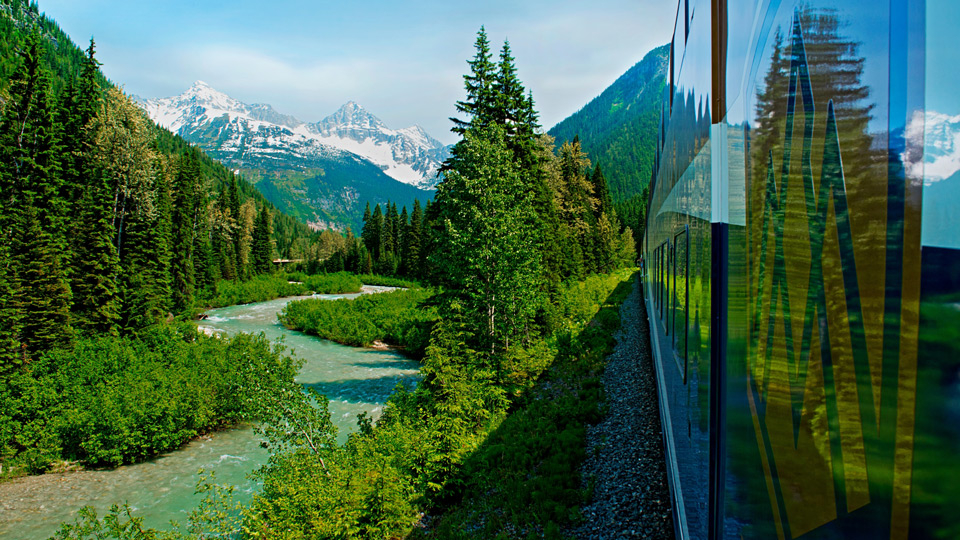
(618, 128)
(323, 173)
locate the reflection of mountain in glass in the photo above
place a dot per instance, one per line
(939, 136)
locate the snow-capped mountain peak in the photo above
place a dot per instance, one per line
(221, 123)
(350, 114)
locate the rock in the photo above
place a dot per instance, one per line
(627, 464)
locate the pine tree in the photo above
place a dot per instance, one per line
(479, 104)
(391, 236)
(145, 286)
(402, 228)
(376, 245)
(184, 224)
(602, 193)
(95, 285)
(261, 253)
(96, 265)
(31, 212)
(510, 103)
(483, 257)
(11, 356)
(44, 294)
(29, 144)
(412, 242)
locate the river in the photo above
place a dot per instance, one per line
(161, 490)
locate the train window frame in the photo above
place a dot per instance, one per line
(668, 258)
(682, 359)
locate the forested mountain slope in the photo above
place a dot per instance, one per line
(618, 128)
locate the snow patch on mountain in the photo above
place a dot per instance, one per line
(940, 136)
(228, 126)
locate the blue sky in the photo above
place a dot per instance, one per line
(401, 60)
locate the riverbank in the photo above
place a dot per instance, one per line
(357, 380)
(394, 319)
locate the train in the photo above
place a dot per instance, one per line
(801, 269)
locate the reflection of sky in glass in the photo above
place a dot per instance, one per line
(941, 192)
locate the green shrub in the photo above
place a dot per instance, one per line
(395, 317)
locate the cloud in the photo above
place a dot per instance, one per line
(404, 65)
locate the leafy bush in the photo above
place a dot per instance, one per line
(392, 317)
(259, 289)
(110, 400)
(338, 283)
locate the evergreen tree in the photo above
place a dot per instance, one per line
(412, 242)
(146, 265)
(184, 223)
(602, 193)
(402, 228)
(44, 295)
(390, 235)
(29, 145)
(367, 234)
(510, 103)
(376, 247)
(95, 281)
(262, 251)
(31, 212)
(483, 257)
(479, 104)
(11, 357)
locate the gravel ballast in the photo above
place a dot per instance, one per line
(625, 463)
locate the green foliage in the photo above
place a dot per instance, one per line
(387, 281)
(336, 283)
(111, 400)
(485, 226)
(259, 289)
(524, 479)
(486, 457)
(396, 317)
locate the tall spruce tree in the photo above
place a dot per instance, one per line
(377, 234)
(184, 217)
(262, 249)
(11, 357)
(146, 264)
(96, 265)
(31, 210)
(478, 106)
(413, 239)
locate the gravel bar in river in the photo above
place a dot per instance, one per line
(625, 450)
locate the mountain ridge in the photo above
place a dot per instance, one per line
(409, 155)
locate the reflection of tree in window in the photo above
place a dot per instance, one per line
(789, 143)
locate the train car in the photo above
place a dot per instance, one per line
(802, 269)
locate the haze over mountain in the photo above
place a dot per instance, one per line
(323, 173)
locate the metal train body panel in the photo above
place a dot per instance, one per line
(802, 269)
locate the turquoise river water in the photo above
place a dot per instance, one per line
(161, 490)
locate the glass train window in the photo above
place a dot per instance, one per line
(671, 285)
(672, 61)
(681, 298)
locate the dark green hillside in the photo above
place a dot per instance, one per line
(63, 57)
(329, 192)
(618, 128)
